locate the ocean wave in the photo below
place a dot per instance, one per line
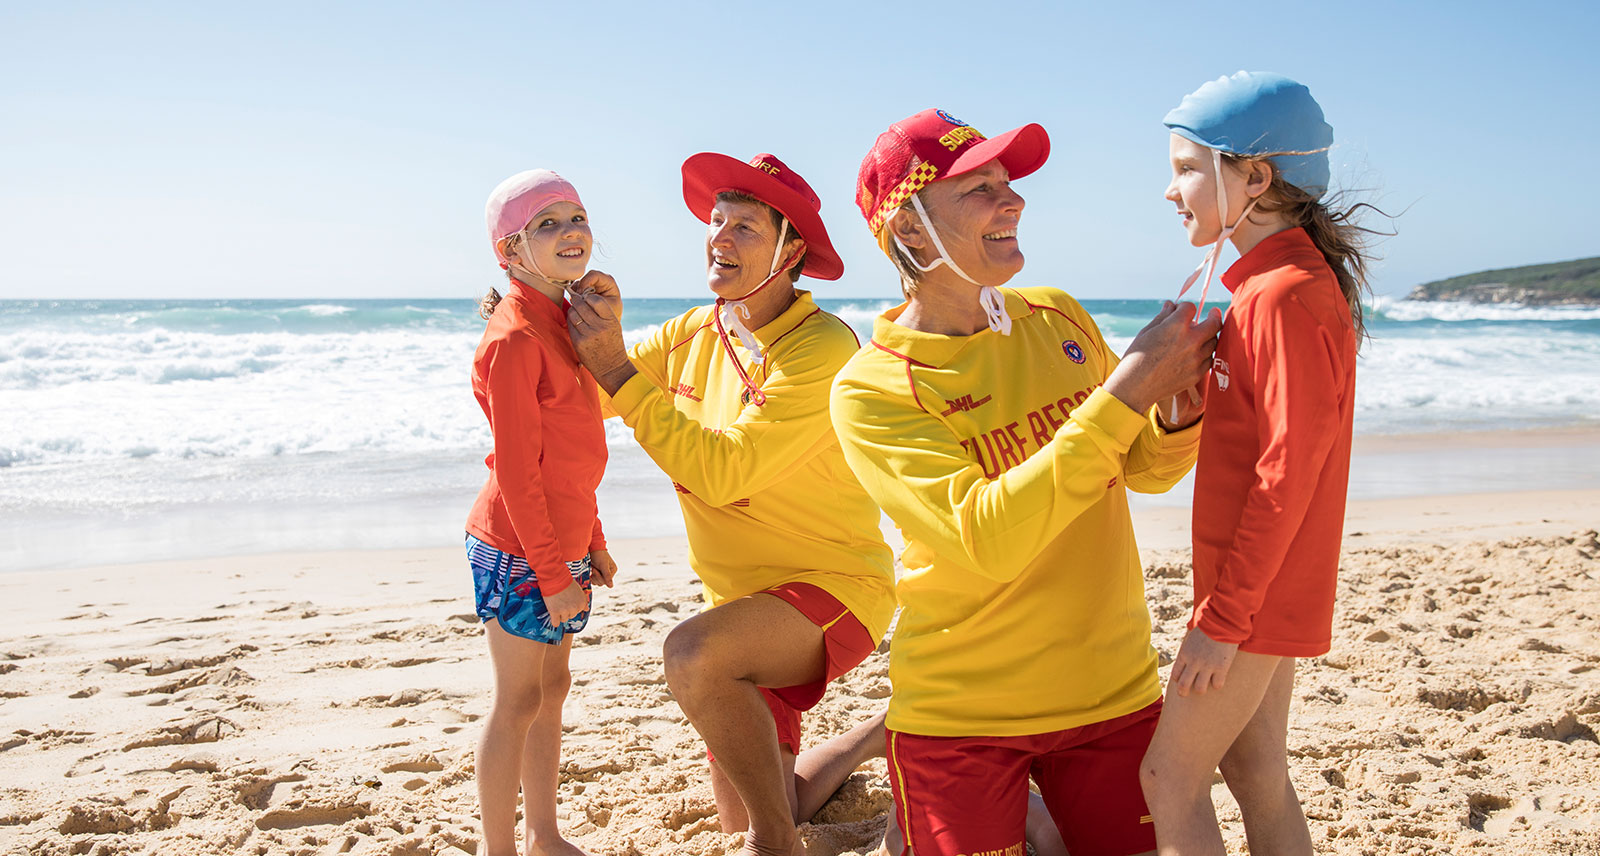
(159, 391)
(324, 309)
(861, 315)
(1395, 309)
(634, 335)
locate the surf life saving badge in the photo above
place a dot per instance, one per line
(1219, 370)
(1073, 351)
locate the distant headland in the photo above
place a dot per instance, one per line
(1574, 283)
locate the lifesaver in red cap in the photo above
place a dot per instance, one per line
(731, 401)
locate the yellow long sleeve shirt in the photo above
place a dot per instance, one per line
(767, 498)
(1007, 467)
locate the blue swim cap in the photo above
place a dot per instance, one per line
(1258, 113)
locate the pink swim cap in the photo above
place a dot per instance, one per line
(519, 198)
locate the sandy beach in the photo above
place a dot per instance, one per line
(328, 703)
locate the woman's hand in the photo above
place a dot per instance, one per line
(1170, 355)
(602, 568)
(597, 337)
(1184, 409)
(566, 604)
(600, 285)
(1202, 664)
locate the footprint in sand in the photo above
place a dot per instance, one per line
(1481, 806)
(295, 814)
(181, 664)
(224, 676)
(1470, 698)
(205, 729)
(403, 698)
(425, 762)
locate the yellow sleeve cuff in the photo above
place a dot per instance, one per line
(629, 398)
(1106, 413)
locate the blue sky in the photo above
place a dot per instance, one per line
(345, 150)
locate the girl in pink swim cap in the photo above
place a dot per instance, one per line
(533, 537)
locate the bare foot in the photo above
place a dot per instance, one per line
(553, 847)
(769, 847)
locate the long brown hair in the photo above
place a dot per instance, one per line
(1331, 224)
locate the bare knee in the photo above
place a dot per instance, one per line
(1254, 772)
(518, 705)
(1165, 780)
(688, 656)
(557, 683)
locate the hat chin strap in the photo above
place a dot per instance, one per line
(989, 297)
(731, 315)
(733, 312)
(1209, 263)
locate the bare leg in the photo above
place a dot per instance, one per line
(814, 776)
(1256, 769)
(820, 770)
(714, 663)
(730, 808)
(519, 667)
(541, 760)
(1041, 829)
(1193, 734)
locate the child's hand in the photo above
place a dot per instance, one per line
(1202, 664)
(566, 604)
(602, 568)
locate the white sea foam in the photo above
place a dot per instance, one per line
(1394, 309)
(186, 381)
(325, 309)
(130, 414)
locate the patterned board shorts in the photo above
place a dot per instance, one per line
(507, 590)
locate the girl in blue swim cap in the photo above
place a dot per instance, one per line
(1250, 165)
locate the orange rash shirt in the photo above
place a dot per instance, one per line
(549, 440)
(1275, 456)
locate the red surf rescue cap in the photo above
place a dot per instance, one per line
(773, 182)
(932, 146)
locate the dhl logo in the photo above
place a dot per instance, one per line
(686, 391)
(964, 403)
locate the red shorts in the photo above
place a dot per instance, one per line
(955, 795)
(845, 643)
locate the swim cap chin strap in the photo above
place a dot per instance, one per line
(526, 258)
(731, 315)
(989, 297)
(1209, 263)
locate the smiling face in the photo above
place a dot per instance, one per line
(740, 240)
(1194, 190)
(558, 241)
(976, 214)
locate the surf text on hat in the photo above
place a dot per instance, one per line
(957, 136)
